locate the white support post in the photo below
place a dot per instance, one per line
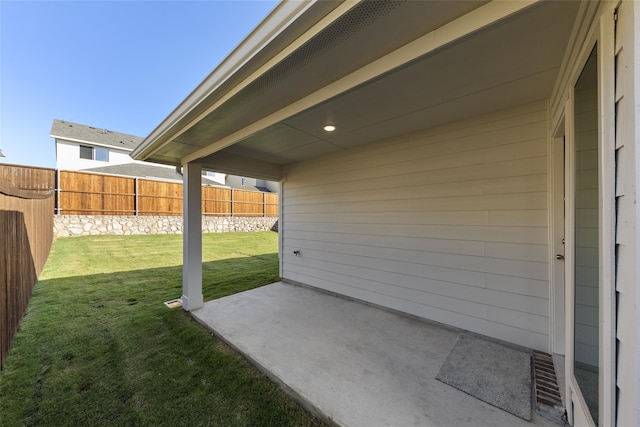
(192, 237)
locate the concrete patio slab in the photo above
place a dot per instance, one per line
(351, 363)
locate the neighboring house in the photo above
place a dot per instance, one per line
(482, 171)
(80, 147)
(247, 183)
(90, 149)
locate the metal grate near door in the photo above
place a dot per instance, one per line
(547, 392)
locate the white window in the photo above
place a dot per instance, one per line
(94, 153)
(86, 152)
(101, 154)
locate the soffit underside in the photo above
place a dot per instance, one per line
(510, 63)
(368, 31)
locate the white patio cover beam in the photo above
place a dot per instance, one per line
(192, 237)
(238, 165)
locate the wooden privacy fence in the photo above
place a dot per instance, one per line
(83, 193)
(26, 230)
(29, 196)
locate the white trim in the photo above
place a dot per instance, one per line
(234, 164)
(587, 13)
(92, 143)
(569, 255)
(607, 144)
(281, 228)
(556, 167)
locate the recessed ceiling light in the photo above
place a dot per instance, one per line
(329, 128)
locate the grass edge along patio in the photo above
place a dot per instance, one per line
(98, 347)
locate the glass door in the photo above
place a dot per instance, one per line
(586, 230)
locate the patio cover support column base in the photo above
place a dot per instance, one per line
(192, 237)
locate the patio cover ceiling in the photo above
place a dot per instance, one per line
(373, 69)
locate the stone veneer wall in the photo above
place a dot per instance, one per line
(92, 225)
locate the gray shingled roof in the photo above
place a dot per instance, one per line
(237, 186)
(62, 129)
(144, 171)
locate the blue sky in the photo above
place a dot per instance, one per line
(120, 65)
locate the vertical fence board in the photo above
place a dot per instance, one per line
(159, 197)
(216, 201)
(118, 195)
(271, 204)
(26, 223)
(247, 203)
(83, 193)
(86, 193)
(5, 273)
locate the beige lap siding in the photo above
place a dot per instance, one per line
(449, 224)
(627, 96)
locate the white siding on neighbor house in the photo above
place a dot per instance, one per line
(449, 225)
(248, 183)
(68, 157)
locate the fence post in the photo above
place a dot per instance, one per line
(264, 204)
(232, 202)
(135, 196)
(57, 191)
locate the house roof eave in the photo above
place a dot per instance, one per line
(63, 130)
(87, 142)
(284, 16)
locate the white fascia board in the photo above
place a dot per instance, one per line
(455, 30)
(277, 21)
(91, 143)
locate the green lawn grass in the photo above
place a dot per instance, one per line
(98, 347)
